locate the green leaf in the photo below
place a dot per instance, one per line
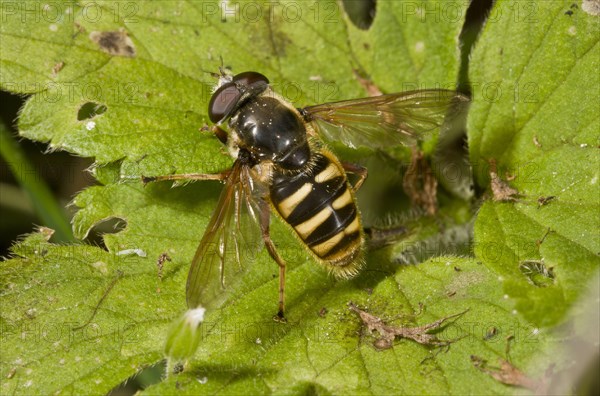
(157, 99)
(79, 311)
(99, 316)
(536, 116)
(414, 44)
(96, 317)
(140, 115)
(332, 353)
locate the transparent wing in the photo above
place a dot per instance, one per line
(230, 242)
(386, 120)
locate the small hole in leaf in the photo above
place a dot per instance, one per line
(111, 225)
(361, 13)
(537, 273)
(90, 110)
(144, 378)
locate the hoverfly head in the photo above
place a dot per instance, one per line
(232, 92)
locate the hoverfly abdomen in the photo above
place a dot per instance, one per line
(319, 204)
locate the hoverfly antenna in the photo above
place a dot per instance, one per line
(223, 76)
(212, 73)
(225, 71)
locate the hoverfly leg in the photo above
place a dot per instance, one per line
(265, 214)
(220, 134)
(359, 171)
(188, 176)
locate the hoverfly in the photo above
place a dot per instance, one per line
(282, 167)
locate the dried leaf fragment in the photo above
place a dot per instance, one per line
(500, 189)
(510, 375)
(420, 183)
(388, 333)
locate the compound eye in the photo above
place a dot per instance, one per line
(251, 79)
(223, 102)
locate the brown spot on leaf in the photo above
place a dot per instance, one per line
(115, 43)
(160, 263)
(592, 7)
(57, 67)
(367, 84)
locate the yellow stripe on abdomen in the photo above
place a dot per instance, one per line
(289, 204)
(307, 227)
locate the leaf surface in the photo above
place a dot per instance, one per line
(536, 114)
(99, 316)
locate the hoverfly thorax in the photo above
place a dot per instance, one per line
(272, 132)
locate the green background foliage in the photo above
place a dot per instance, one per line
(99, 316)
